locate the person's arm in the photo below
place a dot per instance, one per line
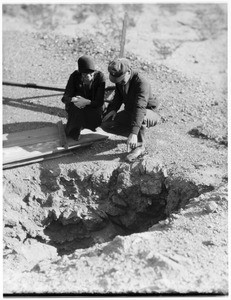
(80, 101)
(69, 90)
(116, 102)
(140, 105)
(114, 106)
(99, 91)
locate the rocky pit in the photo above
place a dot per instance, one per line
(53, 215)
(81, 207)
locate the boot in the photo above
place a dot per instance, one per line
(75, 134)
(136, 153)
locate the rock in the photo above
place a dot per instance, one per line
(70, 216)
(211, 207)
(151, 186)
(43, 251)
(101, 177)
(11, 218)
(112, 210)
(93, 221)
(49, 180)
(118, 201)
(208, 243)
(164, 222)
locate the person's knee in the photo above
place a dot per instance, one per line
(152, 118)
(123, 118)
(156, 119)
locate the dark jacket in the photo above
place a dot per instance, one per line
(95, 93)
(138, 98)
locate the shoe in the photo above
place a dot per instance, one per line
(75, 137)
(75, 134)
(136, 153)
(101, 131)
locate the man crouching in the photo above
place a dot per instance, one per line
(139, 112)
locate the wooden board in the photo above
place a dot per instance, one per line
(43, 143)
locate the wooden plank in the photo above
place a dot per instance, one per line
(42, 158)
(30, 137)
(34, 136)
(17, 153)
(42, 146)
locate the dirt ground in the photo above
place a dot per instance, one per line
(89, 222)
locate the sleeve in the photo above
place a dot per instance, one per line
(116, 102)
(99, 90)
(69, 90)
(141, 102)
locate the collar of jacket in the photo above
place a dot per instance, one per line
(129, 81)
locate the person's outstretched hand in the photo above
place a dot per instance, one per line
(131, 142)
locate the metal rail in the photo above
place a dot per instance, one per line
(44, 87)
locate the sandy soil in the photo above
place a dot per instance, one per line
(183, 52)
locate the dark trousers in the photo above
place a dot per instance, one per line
(86, 117)
(122, 122)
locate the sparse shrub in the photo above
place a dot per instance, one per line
(11, 10)
(209, 22)
(165, 49)
(41, 16)
(85, 10)
(169, 7)
(111, 16)
(204, 132)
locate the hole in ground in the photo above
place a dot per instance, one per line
(78, 208)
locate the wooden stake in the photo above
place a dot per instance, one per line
(123, 36)
(62, 135)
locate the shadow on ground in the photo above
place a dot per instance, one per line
(17, 127)
(28, 105)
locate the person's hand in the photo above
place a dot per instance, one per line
(80, 102)
(131, 142)
(111, 114)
